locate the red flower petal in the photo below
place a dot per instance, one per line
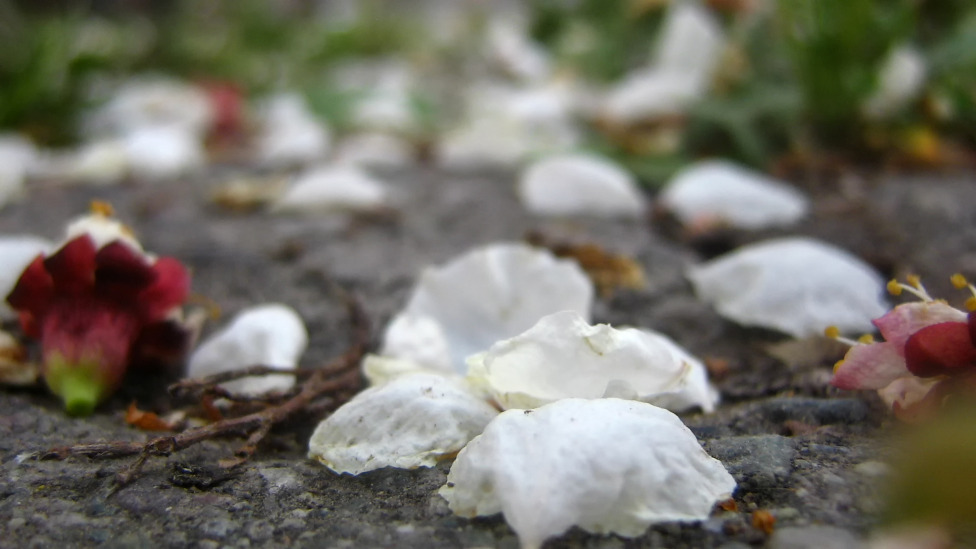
(940, 349)
(972, 327)
(121, 272)
(73, 267)
(872, 366)
(34, 289)
(168, 290)
(900, 323)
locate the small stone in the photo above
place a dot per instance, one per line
(16, 522)
(813, 537)
(756, 462)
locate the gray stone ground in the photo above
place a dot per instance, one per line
(809, 455)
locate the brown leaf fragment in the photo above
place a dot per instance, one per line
(763, 520)
(147, 421)
(729, 505)
(608, 271)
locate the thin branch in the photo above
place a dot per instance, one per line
(333, 383)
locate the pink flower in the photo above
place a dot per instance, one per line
(928, 347)
(96, 311)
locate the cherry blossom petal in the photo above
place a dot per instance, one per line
(872, 366)
(940, 349)
(168, 290)
(900, 323)
(73, 266)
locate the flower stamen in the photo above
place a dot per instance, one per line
(914, 287)
(833, 332)
(959, 282)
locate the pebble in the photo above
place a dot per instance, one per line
(815, 411)
(813, 537)
(757, 462)
(873, 468)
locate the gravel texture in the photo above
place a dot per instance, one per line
(811, 456)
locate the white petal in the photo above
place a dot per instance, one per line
(794, 285)
(16, 253)
(102, 230)
(412, 421)
(100, 162)
(723, 192)
(417, 338)
(269, 335)
(605, 465)
(510, 47)
(333, 188)
(160, 152)
(580, 184)
(900, 81)
(152, 102)
(373, 150)
(564, 357)
(290, 133)
(495, 292)
(687, 54)
(18, 158)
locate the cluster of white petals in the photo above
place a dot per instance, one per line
(271, 335)
(412, 421)
(580, 184)
(795, 285)
(720, 192)
(564, 357)
(605, 465)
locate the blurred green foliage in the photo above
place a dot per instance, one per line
(796, 76)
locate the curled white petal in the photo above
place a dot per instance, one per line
(412, 421)
(795, 285)
(564, 357)
(580, 184)
(333, 188)
(722, 192)
(152, 102)
(605, 465)
(492, 293)
(269, 335)
(160, 152)
(373, 149)
(16, 253)
(420, 339)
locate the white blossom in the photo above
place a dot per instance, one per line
(580, 184)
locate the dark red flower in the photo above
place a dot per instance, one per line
(93, 311)
(944, 349)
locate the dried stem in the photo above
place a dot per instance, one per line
(333, 383)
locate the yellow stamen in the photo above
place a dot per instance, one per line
(867, 339)
(959, 281)
(971, 304)
(833, 332)
(102, 208)
(894, 287)
(915, 281)
(837, 365)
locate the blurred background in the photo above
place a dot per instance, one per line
(780, 85)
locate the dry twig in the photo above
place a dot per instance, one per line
(324, 388)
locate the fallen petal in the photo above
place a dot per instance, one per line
(492, 293)
(731, 195)
(333, 188)
(412, 421)
(795, 285)
(270, 335)
(580, 184)
(605, 465)
(871, 366)
(564, 357)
